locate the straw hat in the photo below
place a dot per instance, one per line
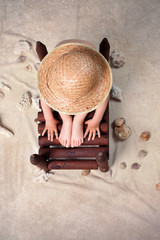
(74, 79)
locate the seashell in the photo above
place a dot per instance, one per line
(5, 132)
(1, 95)
(122, 132)
(145, 136)
(123, 165)
(116, 93)
(21, 59)
(85, 172)
(24, 102)
(5, 86)
(36, 120)
(29, 68)
(35, 102)
(142, 153)
(158, 186)
(117, 59)
(22, 46)
(119, 122)
(135, 166)
(37, 65)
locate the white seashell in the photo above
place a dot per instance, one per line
(5, 86)
(5, 132)
(117, 59)
(22, 46)
(24, 102)
(35, 102)
(119, 122)
(1, 95)
(116, 93)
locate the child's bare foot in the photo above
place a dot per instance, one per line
(77, 131)
(66, 131)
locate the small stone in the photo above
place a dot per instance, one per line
(142, 153)
(123, 165)
(119, 122)
(22, 46)
(37, 65)
(85, 172)
(158, 186)
(29, 68)
(21, 59)
(145, 136)
(123, 132)
(135, 166)
(116, 93)
(117, 59)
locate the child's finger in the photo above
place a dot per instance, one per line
(56, 134)
(51, 136)
(90, 135)
(44, 131)
(86, 132)
(94, 134)
(98, 131)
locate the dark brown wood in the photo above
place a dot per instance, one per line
(39, 161)
(72, 164)
(41, 116)
(103, 127)
(103, 140)
(104, 48)
(102, 161)
(41, 50)
(71, 152)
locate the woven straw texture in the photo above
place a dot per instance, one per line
(74, 79)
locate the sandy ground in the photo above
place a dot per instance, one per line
(124, 205)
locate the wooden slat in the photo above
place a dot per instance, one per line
(72, 164)
(103, 127)
(71, 152)
(103, 140)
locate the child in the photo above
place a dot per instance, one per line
(74, 79)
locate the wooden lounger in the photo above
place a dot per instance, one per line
(90, 155)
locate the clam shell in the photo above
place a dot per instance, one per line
(123, 165)
(145, 136)
(142, 153)
(21, 59)
(122, 132)
(119, 122)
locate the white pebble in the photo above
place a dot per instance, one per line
(116, 93)
(22, 46)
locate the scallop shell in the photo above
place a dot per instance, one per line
(145, 136)
(116, 93)
(119, 122)
(22, 46)
(24, 102)
(122, 132)
(135, 166)
(117, 59)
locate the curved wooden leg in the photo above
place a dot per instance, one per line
(104, 48)
(39, 161)
(41, 50)
(102, 161)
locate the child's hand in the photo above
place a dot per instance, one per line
(92, 128)
(51, 127)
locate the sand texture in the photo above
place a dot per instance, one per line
(120, 204)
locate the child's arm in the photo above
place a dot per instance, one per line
(51, 122)
(93, 124)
